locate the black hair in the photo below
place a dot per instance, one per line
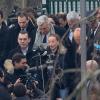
(19, 90)
(22, 14)
(17, 58)
(25, 32)
(63, 16)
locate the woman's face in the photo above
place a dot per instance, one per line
(53, 43)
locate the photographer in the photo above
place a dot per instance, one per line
(20, 76)
(20, 64)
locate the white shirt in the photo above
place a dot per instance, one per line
(24, 51)
(71, 36)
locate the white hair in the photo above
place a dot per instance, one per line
(73, 15)
(42, 19)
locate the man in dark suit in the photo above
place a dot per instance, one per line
(23, 47)
(70, 57)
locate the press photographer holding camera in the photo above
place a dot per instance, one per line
(20, 75)
(20, 64)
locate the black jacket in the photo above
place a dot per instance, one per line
(29, 54)
(18, 73)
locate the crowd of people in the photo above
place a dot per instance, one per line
(34, 52)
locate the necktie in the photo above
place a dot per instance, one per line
(45, 39)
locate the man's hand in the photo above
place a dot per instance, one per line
(17, 81)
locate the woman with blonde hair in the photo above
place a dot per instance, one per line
(57, 49)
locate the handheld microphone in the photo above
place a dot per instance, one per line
(31, 69)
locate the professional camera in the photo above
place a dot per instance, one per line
(29, 80)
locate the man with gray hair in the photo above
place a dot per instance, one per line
(45, 28)
(43, 31)
(72, 19)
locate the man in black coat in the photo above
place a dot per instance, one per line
(23, 47)
(19, 75)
